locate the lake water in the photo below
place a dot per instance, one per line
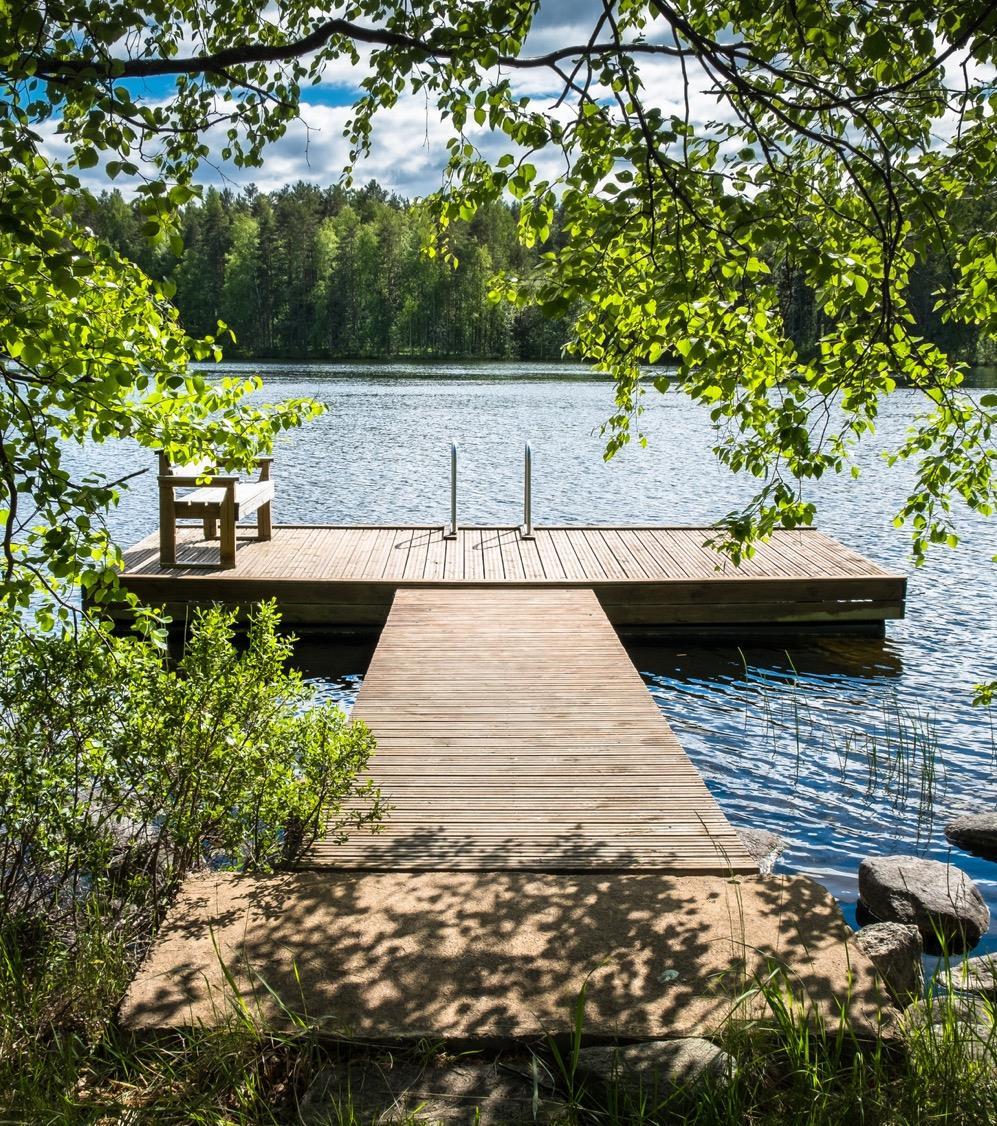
(845, 748)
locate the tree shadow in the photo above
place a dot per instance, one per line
(472, 955)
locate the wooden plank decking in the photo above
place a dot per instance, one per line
(641, 575)
(513, 732)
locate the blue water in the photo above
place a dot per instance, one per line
(845, 748)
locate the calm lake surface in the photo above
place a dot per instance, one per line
(846, 748)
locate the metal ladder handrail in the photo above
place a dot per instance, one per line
(526, 528)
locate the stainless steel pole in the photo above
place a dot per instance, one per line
(451, 531)
(526, 531)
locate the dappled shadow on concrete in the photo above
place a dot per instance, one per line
(477, 955)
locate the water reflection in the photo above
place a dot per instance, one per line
(334, 667)
(984, 376)
(852, 657)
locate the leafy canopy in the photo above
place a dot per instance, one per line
(90, 348)
(848, 141)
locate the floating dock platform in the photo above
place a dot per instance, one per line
(654, 577)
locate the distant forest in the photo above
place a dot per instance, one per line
(308, 272)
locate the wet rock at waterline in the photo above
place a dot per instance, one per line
(895, 950)
(938, 899)
(657, 1067)
(763, 847)
(974, 975)
(976, 832)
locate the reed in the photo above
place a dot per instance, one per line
(893, 755)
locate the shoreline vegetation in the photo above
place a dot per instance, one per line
(144, 772)
(327, 273)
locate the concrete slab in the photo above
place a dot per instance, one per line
(468, 955)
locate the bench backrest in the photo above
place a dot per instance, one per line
(202, 468)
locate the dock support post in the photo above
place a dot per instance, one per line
(526, 531)
(450, 532)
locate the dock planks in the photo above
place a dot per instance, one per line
(513, 732)
(643, 576)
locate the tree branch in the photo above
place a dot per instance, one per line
(53, 67)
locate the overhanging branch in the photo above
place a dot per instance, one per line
(53, 67)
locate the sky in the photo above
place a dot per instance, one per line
(409, 149)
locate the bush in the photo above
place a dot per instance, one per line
(119, 773)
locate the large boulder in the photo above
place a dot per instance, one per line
(975, 832)
(658, 1067)
(763, 847)
(895, 950)
(938, 899)
(941, 1010)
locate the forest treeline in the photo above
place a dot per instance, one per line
(313, 272)
(310, 272)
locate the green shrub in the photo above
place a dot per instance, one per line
(119, 773)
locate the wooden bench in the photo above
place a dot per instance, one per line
(218, 499)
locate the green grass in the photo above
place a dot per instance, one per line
(64, 1060)
(791, 1072)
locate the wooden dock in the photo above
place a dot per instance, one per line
(643, 576)
(513, 732)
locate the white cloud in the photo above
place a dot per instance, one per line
(407, 155)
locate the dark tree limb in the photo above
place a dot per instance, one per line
(54, 67)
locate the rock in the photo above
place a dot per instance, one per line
(937, 898)
(976, 832)
(394, 1089)
(979, 1044)
(968, 1021)
(975, 975)
(895, 950)
(656, 1067)
(937, 1011)
(763, 847)
(976, 1040)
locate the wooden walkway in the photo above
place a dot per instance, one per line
(643, 576)
(513, 732)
